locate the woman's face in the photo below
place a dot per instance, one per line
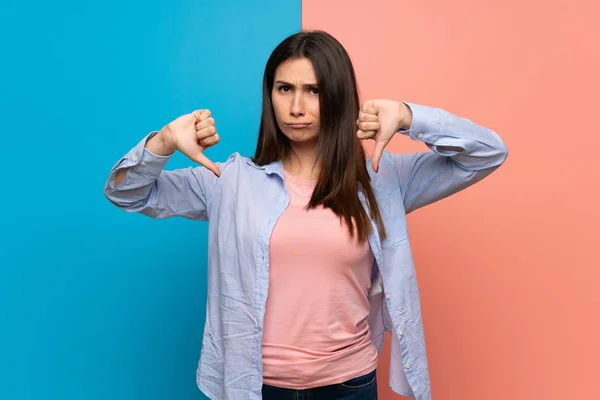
(295, 100)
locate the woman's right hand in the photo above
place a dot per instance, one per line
(191, 134)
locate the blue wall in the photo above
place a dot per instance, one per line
(96, 303)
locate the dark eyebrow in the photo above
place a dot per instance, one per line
(306, 85)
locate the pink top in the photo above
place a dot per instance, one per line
(315, 330)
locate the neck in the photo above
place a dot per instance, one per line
(302, 161)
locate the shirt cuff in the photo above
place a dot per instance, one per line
(151, 164)
(142, 164)
(426, 123)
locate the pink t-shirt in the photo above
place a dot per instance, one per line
(315, 330)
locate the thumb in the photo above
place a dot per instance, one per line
(377, 152)
(205, 162)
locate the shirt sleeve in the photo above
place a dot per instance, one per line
(463, 153)
(152, 191)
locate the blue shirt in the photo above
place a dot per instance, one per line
(243, 206)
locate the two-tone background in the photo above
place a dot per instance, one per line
(96, 304)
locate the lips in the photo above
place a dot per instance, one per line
(298, 125)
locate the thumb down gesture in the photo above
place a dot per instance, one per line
(193, 133)
(379, 120)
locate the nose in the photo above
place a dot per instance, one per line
(297, 109)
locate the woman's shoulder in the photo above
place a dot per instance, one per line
(386, 163)
(237, 163)
(237, 159)
(233, 159)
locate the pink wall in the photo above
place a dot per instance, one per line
(509, 268)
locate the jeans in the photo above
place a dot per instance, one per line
(361, 388)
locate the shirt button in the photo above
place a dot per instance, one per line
(387, 296)
(143, 163)
(420, 135)
(407, 366)
(135, 158)
(401, 333)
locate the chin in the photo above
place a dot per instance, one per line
(297, 136)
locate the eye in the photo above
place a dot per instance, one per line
(284, 89)
(314, 90)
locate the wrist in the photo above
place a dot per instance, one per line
(166, 140)
(405, 117)
(161, 144)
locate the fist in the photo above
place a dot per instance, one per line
(193, 133)
(379, 120)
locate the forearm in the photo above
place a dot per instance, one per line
(132, 177)
(472, 146)
(158, 144)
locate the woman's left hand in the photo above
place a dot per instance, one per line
(380, 120)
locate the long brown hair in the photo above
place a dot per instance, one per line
(340, 154)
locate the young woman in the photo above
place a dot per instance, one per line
(309, 260)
